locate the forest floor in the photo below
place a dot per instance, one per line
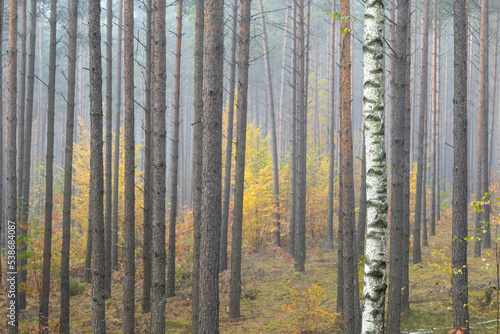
(275, 299)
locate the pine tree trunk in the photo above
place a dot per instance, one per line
(197, 160)
(159, 170)
(495, 85)
(340, 252)
(292, 227)
(109, 143)
(116, 163)
(12, 298)
(398, 143)
(459, 278)
(96, 170)
(417, 257)
(241, 126)
(281, 114)
(28, 126)
(331, 170)
(405, 295)
(274, 141)
(435, 110)
(376, 176)
(483, 112)
(49, 173)
(129, 147)
(87, 275)
(229, 145)
(68, 167)
(175, 157)
(146, 289)
(301, 146)
(212, 168)
(22, 216)
(351, 295)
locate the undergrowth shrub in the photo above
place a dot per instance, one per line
(307, 311)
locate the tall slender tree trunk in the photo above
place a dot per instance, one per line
(175, 156)
(376, 176)
(116, 164)
(331, 169)
(12, 298)
(96, 170)
(212, 168)
(340, 252)
(87, 276)
(495, 86)
(405, 295)
(281, 114)
(229, 145)
(435, 111)
(301, 146)
(49, 173)
(351, 295)
(460, 269)
(129, 146)
(417, 257)
(197, 159)
(292, 227)
(241, 128)
(109, 143)
(23, 221)
(159, 170)
(482, 142)
(146, 289)
(398, 143)
(274, 141)
(68, 167)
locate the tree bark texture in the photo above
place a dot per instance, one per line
(175, 156)
(129, 147)
(351, 295)
(159, 170)
(401, 83)
(109, 143)
(241, 125)
(274, 141)
(417, 257)
(376, 176)
(483, 120)
(331, 148)
(459, 278)
(301, 146)
(96, 170)
(23, 220)
(197, 159)
(49, 172)
(116, 164)
(229, 145)
(212, 167)
(68, 168)
(147, 238)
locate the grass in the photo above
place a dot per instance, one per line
(268, 283)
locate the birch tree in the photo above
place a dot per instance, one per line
(376, 176)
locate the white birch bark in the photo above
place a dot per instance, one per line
(376, 177)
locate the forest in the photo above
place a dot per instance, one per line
(266, 166)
